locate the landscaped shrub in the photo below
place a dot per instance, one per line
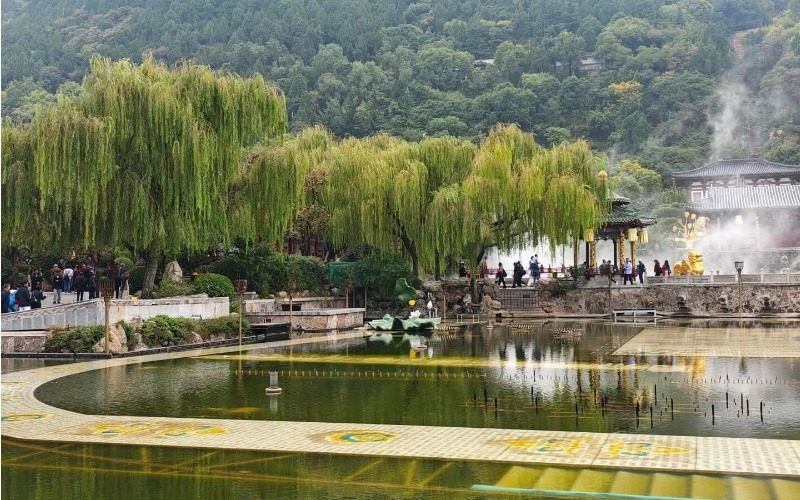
(129, 333)
(76, 339)
(380, 272)
(308, 273)
(162, 330)
(227, 326)
(171, 288)
(128, 263)
(215, 285)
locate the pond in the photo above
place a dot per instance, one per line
(691, 378)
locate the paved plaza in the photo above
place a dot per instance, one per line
(25, 417)
(715, 342)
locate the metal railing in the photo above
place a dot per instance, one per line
(767, 278)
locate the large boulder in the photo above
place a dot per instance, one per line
(117, 341)
(193, 338)
(173, 272)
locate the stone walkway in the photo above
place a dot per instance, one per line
(25, 417)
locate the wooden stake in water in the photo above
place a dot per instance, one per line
(748, 407)
(761, 410)
(726, 399)
(651, 416)
(672, 408)
(712, 414)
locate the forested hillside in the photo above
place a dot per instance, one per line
(637, 78)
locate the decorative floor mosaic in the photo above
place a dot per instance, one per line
(24, 417)
(717, 342)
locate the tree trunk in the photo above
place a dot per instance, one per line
(150, 270)
(473, 288)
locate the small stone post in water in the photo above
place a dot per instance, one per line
(273, 389)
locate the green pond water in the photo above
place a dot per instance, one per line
(538, 382)
(45, 471)
(437, 380)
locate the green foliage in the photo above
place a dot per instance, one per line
(226, 326)
(308, 273)
(135, 278)
(76, 339)
(162, 330)
(130, 336)
(172, 288)
(380, 272)
(215, 285)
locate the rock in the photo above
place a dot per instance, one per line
(173, 271)
(193, 338)
(495, 304)
(138, 343)
(282, 294)
(421, 295)
(467, 299)
(117, 342)
(432, 286)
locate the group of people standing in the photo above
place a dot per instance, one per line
(82, 280)
(631, 271)
(534, 269)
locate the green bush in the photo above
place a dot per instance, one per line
(307, 272)
(215, 285)
(171, 288)
(129, 333)
(227, 326)
(380, 272)
(136, 279)
(77, 339)
(159, 330)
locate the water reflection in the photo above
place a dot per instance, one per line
(539, 379)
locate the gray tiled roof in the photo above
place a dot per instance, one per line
(767, 196)
(732, 168)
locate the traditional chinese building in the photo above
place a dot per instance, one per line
(624, 225)
(760, 196)
(741, 173)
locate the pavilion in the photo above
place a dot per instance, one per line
(624, 224)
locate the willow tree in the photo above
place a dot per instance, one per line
(145, 158)
(379, 191)
(519, 193)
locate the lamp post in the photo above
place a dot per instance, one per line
(106, 287)
(739, 265)
(241, 287)
(291, 286)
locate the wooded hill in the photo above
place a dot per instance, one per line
(637, 78)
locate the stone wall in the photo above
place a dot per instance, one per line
(321, 320)
(92, 312)
(697, 300)
(264, 306)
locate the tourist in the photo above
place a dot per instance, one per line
(521, 274)
(58, 285)
(657, 268)
(91, 282)
(37, 296)
(12, 300)
(642, 270)
(533, 269)
(666, 269)
(627, 272)
(125, 292)
(6, 296)
(80, 285)
(67, 275)
(23, 297)
(500, 275)
(118, 279)
(483, 269)
(36, 279)
(462, 270)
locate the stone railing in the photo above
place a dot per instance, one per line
(92, 312)
(767, 278)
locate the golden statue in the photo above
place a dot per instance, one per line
(681, 268)
(696, 263)
(693, 267)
